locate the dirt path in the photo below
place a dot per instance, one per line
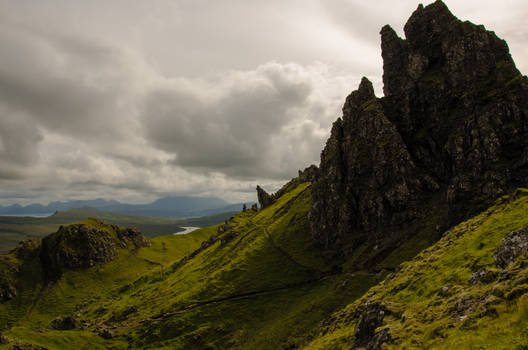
(288, 256)
(193, 306)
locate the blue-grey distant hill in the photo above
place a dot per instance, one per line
(170, 207)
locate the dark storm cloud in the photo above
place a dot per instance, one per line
(63, 84)
(244, 124)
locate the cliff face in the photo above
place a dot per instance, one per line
(453, 126)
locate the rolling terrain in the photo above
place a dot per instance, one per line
(14, 229)
(412, 233)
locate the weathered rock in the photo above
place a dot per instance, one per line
(482, 276)
(453, 126)
(308, 174)
(82, 246)
(380, 338)
(226, 238)
(264, 198)
(367, 179)
(7, 292)
(64, 323)
(106, 334)
(370, 316)
(444, 291)
(132, 236)
(28, 249)
(223, 228)
(513, 245)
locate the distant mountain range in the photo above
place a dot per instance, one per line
(169, 207)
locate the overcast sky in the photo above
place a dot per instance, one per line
(134, 100)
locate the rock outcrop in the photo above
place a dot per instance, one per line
(28, 249)
(82, 246)
(264, 198)
(307, 175)
(64, 323)
(369, 317)
(513, 245)
(451, 131)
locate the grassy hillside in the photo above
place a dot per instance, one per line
(256, 282)
(431, 302)
(28, 317)
(14, 229)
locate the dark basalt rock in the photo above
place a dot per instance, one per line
(380, 338)
(28, 249)
(370, 316)
(307, 175)
(453, 127)
(81, 246)
(513, 245)
(132, 236)
(264, 198)
(64, 323)
(367, 179)
(482, 276)
(106, 334)
(7, 290)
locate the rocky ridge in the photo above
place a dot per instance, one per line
(451, 131)
(307, 175)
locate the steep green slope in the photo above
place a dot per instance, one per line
(451, 296)
(258, 282)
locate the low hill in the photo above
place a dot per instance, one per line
(16, 229)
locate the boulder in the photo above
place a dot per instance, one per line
(370, 316)
(513, 245)
(64, 323)
(482, 276)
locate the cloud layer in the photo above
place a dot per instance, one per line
(181, 97)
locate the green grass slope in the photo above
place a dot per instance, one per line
(257, 282)
(26, 319)
(431, 304)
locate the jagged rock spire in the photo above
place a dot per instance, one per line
(453, 126)
(264, 198)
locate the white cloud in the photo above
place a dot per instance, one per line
(133, 100)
